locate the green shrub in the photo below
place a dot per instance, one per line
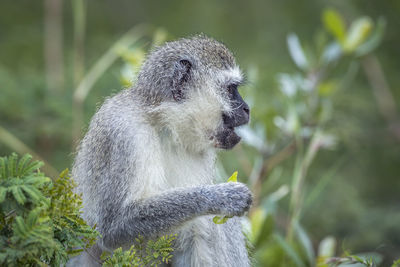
(151, 253)
(40, 222)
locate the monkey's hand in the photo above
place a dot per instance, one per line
(230, 199)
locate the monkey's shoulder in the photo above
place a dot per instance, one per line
(121, 109)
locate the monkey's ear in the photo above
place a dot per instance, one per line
(180, 77)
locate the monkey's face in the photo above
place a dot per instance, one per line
(195, 85)
(211, 110)
(235, 111)
(205, 111)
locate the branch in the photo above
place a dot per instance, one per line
(380, 87)
(268, 164)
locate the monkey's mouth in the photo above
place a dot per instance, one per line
(227, 138)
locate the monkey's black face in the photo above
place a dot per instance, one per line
(227, 138)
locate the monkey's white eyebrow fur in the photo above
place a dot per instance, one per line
(234, 74)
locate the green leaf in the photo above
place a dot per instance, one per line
(33, 166)
(326, 250)
(297, 52)
(22, 163)
(12, 165)
(331, 53)
(327, 247)
(359, 31)
(306, 244)
(266, 230)
(34, 193)
(233, 177)
(18, 195)
(19, 226)
(257, 219)
(334, 23)
(312, 197)
(219, 220)
(105, 255)
(289, 250)
(3, 193)
(374, 41)
(3, 167)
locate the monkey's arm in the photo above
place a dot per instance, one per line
(162, 213)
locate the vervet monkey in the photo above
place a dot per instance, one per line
(147, 163)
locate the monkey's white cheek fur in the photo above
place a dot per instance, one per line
(195, 121)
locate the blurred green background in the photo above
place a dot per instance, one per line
(322, 152)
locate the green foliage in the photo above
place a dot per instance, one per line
(396, 263)
(303, 120)
(40, 222)
(150, 253)
(358, 38)
(69, 228)
(334, 23)
(363, 260)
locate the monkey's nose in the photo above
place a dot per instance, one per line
(245, 115)
(246, 110)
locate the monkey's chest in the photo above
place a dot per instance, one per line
(201, 242)
(187, 170)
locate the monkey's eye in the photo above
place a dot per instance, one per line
(232, 87)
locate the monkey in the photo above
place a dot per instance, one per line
(146, 165)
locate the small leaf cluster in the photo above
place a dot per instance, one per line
(142, 253)
(40, 222)
(361, 37)
(364, 260)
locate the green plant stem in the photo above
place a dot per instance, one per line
(383, 94)
(380, 88)
(53, 44)
(303, 162)
(79, 13)
(268, 164)
(17, 145)
(105, 61)
(97, 70)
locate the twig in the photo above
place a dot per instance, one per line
(244, 160)
(380, 87)
(383, 95)
(300, 173)
(268, 164)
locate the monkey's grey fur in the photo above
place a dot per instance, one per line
(146, 164)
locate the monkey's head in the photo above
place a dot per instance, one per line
(191, 85)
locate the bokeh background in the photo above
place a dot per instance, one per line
(322, 152)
